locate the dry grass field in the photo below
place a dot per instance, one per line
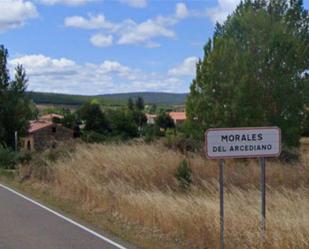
(136, 183)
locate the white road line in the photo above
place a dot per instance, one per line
(65, 218)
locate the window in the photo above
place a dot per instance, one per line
(54, 129)
(28, 145)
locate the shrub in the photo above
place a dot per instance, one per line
(8, 158)
(178, 141)
(184, 175)
(25, 157)
(93, 137)
(150, 133)
(289, 155)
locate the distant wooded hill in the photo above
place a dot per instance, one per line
(157, 98)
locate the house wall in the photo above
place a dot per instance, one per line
(50, 137)
(178, 121)
(150, 120)
(27, 143)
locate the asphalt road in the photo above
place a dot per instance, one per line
(24, 224)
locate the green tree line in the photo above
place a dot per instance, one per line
(106, 124)
(16, 109)
(253, 70)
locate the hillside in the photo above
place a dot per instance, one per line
(150, 97)
(157, 98)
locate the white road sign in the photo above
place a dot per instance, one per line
(243, 142)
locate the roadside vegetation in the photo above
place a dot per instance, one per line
(175, 196)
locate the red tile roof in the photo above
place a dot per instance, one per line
(178, 115)
(38, 125)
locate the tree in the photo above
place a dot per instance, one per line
(136, 111)
(130, 104)
(34, 110)
(251, 72)
(122, 124)
(164, 121)
(4, 83)
(4, 72)
(306, 78)
(95, 120)
(153, 109)
(70, 120)
(16, 108)
(139, 103)
(139, 118)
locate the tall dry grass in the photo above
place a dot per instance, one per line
(137, 183)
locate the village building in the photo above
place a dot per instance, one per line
(43, 134)
(178, 117)
(151, 118)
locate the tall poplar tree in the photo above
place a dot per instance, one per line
(4, 83)
(252, 70)
(15, 106)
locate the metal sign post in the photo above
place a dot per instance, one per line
(16, 140)
(263, 196)
(258, 142)
(221, 181)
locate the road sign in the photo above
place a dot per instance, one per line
(243, 142)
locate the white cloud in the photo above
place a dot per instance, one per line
(160, 26)
(222, 10)
(41, 65)
(127, 31)
(63, 75)
(93, 22)
(135, 3)
(132, 3)
(144, 32)
(109, 66)
(130, 32)
(186, 68)
(181, 10)
(100, 40)
(14, 13)
(65, 2)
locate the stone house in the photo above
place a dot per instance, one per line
(43, 134)
(178, 117)
(151, 118)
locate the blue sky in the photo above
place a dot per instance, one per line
(107, 46)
